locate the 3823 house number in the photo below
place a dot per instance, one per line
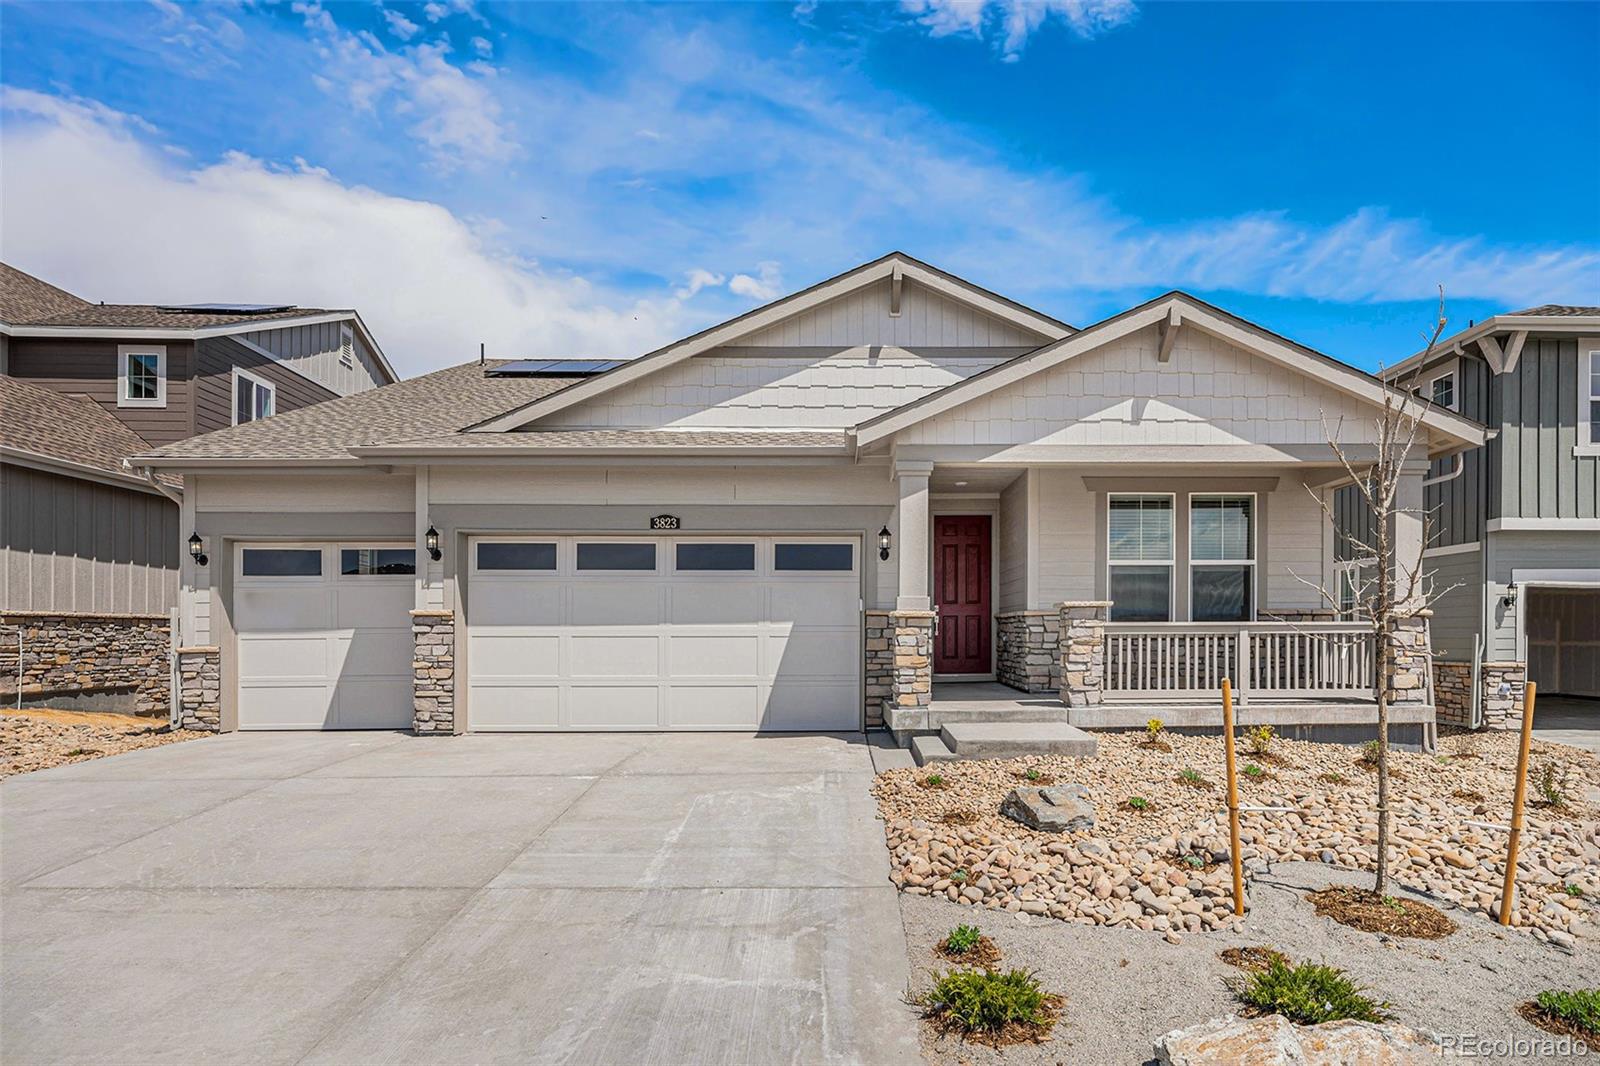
(664, 521)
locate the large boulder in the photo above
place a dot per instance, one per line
(1054, 810)
(1276, 1041)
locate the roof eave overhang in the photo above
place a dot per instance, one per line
(1454, 344)
(83, 471)
(489, 454)
(184, 464)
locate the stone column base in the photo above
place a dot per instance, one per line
(1408, 662)
(200, 688)
(433, 673)
(1029, 656)
(898, 668)
(1452, 692)
(1083, 651)
(1503, 686)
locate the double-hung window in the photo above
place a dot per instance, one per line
(1589, 397)
(253, 398)
(141, 375)
(1139, 557)
(1222, 558)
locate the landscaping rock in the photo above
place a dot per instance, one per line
(1275, 1041)
(1059, 809)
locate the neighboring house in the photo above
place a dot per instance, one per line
(89, 549)
(797, 520)
(1514, 543)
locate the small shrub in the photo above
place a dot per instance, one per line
(1152, 730)
(1032, 774)
(1332, 779)
(1194, 862)
(1369, 754)
(935, 780)
(1254, 772)
(1259, 740)
(1138, 803)
(1579, 1008)
(963, 938)
(977, 1002)
(958, 876)
(1575, 891)
(1308, 994)
(1192, 777)
(1552, 781)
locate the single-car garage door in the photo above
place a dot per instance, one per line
(324, 635)
(662, 633)
(1563, 629)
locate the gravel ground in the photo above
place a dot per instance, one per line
(38, 740)
(1125, 988)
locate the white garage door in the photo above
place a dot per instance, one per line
(689, 633)
(324, 635)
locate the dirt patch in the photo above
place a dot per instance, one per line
(1253, 958)
(1156, 745)
(961, 817)
(1362, 909)
(1014, 1032)
(39, 739)
(984, 953)
(1536, 1015)
(1470, 795)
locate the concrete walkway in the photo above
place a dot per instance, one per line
(350, 898)
(1567, 720)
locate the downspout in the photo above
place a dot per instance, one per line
(174, 616)
(1461, 465)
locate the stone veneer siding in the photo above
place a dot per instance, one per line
(878, 674)
(898, 668)
(1452, 692)
(1503, 686)
(1083, 652)
(122, 656)
(1029, 657)
(433, 673)
(1409, 673)
(200, 688)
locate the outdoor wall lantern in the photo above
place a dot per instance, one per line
(197, 549)
(883, 543)
(431, 539)
(1510, 598)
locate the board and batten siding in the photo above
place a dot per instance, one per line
(1209, 393)
(89, 367)
(313, 352)
(1456, 507)
(73, 545)
(813, 387)
(1539, 476)
(927, 318)
(213, 384)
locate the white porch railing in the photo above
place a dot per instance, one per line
(1188, 660)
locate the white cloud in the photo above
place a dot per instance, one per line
(1014, 21)
(400, 26)
(482, 46)
(430, 285)
(767, 285)
(697, 279)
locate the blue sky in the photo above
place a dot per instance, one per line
(600, 179)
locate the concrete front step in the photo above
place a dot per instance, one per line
(930, 748)
(1003, 740)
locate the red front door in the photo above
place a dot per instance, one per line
(961, 594)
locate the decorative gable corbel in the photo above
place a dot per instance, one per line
(1169, 333)
(1503, 360)
(896, 284)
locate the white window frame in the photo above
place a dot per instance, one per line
(1588, 353)
(565, 555)
(330, 560)
(257, 381)
(1448, 370)
(658, 569)
(126, 350)
(1255, 547)
(1171, 562)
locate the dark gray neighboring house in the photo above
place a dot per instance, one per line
(88, 549)
(1516, 523)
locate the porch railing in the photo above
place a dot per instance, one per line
(1188, 660)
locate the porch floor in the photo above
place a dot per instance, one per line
(988, 696)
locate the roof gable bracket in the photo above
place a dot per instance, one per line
(1169, 333)
(1514, 350)
(896, 283)
(1503, 360)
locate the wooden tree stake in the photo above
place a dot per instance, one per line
(1508, 890)
(1233, 799)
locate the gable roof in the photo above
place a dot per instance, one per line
(895, 264)
(52, 429)
(1177, 310)
(1546, 318)
(24, 298)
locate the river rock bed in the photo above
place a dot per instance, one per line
(1165, 869)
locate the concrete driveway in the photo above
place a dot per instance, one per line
(361, 897)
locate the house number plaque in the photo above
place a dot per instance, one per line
(664, 521)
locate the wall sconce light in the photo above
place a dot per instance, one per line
(884, 538)
(197, 549)
(431, 539)
(1510, 598)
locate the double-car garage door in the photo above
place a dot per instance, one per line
(564, 632)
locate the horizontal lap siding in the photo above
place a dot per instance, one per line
(214, 383)
(1458, 602)
(1013, 545)
(89, 367)
(71, 545)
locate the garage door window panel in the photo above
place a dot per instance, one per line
(281, 562)
(377, 562)
(715, 557)
(529, 556)
(813, 558)
(617, 556)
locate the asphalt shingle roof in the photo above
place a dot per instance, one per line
(24, 297)
(1557, 311)
(27, 301)
(635, 438)
(65, 426)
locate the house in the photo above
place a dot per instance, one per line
(1514, 538)
(799, 519)
(88, 548)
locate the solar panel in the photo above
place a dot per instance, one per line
(555, 368)
(218, 309)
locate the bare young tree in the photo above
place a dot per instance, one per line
(1397, 588)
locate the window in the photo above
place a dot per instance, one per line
(1442, 390)
(1139, 554)
(1222, 558)
(617, 555)
(1347, 593)
(282, 562)
(1589, 391)
(813, 557)
(253, 398)
(141, 375)
(515, 555)
(377, 561)
(716, 556)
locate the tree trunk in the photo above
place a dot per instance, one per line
(1384, 656)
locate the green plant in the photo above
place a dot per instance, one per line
(1308, 994)
(1580, 1007)
(1259, 740)
(1138, 803)
(1551, 782)
(1331, 779)
(977, 1001)
(1369, 753)
(1152, 730)
(1394, 904)
(1254, 772)
(958, 876)
(1575, 891)
(1194, 862)
(934, 780)
(962, 939)
(1191, 775)
(1032, 774)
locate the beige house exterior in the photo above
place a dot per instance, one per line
(809, 517)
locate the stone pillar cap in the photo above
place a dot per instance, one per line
(1083, 603)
